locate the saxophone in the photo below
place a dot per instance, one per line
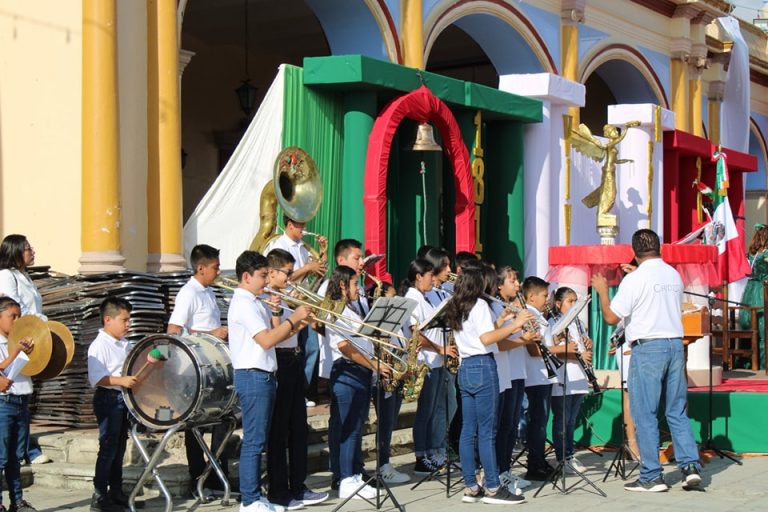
(451, 363)
(413, 379)
(389, 384)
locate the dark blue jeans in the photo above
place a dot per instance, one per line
(310, 347)
(538, 414)
(256, 390)
(479, 385)
(572, 408)
(14, 428)
(429, 426)
(112, 416)
(387, 410)
(350, 395)
(510, 406)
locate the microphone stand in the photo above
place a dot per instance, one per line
(709, 443)
(620, 459)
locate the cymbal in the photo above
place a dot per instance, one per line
(65, 335)
(30, 326)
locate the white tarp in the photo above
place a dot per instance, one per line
(734, 129)
(228, 215)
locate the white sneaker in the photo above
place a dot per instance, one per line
(271, 507)
(391, 475)
(261, 506)
(510, 482)
(41, 459)
(309, 403)
(521, 482)
(577, 465)
(349, 485)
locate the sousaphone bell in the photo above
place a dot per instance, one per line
(53, 348)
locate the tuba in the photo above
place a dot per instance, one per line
(297, 187)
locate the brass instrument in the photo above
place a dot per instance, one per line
(413, 381)
(452, 276)
(589, 371)
(378, 282)
(451, 362)
(513, 309)
(551, 361)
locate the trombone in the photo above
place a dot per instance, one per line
(513, 309)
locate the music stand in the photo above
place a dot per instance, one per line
(559, 472)
(437, 320)
(386, 315)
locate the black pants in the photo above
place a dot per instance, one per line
(288, 431)
(112, 415)
(196, 457)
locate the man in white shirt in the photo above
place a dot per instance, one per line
(196, 311)
(292, 241)
(649, 300)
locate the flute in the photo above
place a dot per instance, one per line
(551, 362)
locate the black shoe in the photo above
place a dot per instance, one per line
(538, 475)
(335, 481)
(120, 498)
(103, 503)
(425, 466)
(22, 506)
(691, 476)
(657, 485)
(502, 496)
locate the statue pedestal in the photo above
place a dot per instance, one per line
(608, 234)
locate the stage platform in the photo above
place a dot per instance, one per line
(739, 407)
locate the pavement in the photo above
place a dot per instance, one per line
(726, 486)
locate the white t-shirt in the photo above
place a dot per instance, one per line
(297, 249)
(19, 286)
(479, 322)
(246, 319)
(425, 306)
(22, 384)
(515, 357)
(106, 356)
(502, 356)
(649, 300)
(577, 379)
(293, 340)
(335, 337)
(535, 371)
(196, 308)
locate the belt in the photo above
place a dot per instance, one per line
(15, 399)
(289, 350)
(648, 340)
(258, 370)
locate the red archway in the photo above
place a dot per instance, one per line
(421, 106)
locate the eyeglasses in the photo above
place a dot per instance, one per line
(288, 273)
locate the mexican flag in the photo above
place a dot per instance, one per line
(732, 259)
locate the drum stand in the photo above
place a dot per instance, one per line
(154, 459)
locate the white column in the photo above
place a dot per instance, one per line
(544, 181)
(632, 178)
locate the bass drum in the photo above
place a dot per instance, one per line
(194, 385)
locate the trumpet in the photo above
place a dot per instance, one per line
(551, 361)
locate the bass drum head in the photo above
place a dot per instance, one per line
(168, 392)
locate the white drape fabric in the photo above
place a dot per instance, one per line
(734, 126)
(228, 215)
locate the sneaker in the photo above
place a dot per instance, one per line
(471, 496)
(270, 507)
(521, 482)
(207, 496)
(577, 465)
(510, 483)
(41, 459)
(309, 403)
(335, 483)
(502, 496)
(287, 503)
(102, 503)
(349, 485)
(392, 476)
(657, 485)
(691, 475)
(439, 460)
(309, 497)
(23, 506)
(262, 505)
(538, 475)
(425, 466)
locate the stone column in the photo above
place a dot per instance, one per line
(680, 52)
(164, 188)
(697, 63)
(716, 76)
(571, 15)
(412, 32)
(100, 241)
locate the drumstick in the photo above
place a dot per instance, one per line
(154, 356)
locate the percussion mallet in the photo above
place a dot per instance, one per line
(154, 356)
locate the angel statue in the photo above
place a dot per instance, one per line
(603, 196)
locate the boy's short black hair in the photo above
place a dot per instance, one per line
(462, 257)
(203, 255)
(343, 246)
(278, 258)
(645, 243)
(112, 306)
(250, 262)
(534, 284)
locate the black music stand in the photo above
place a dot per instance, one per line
(387, 314)
(438, 321)
(709, 444)
(557, 477)
(619, 462)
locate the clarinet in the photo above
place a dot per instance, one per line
(587, 368)
(551, 362)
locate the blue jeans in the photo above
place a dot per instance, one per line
(112, 416)
(350, 392)
(310, 347)
(510, 402)
(538, 414)
(479, 385)
(429, 427)
(256, 390)
(387, 411)
(572, 408)
(14, 426)
(657, 368)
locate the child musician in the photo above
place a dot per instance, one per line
(252, 340)
(106, 356)
(14, 409)
(476, 338)
(566, 400)
(538, 387)
(350, 383)
(288, 430)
